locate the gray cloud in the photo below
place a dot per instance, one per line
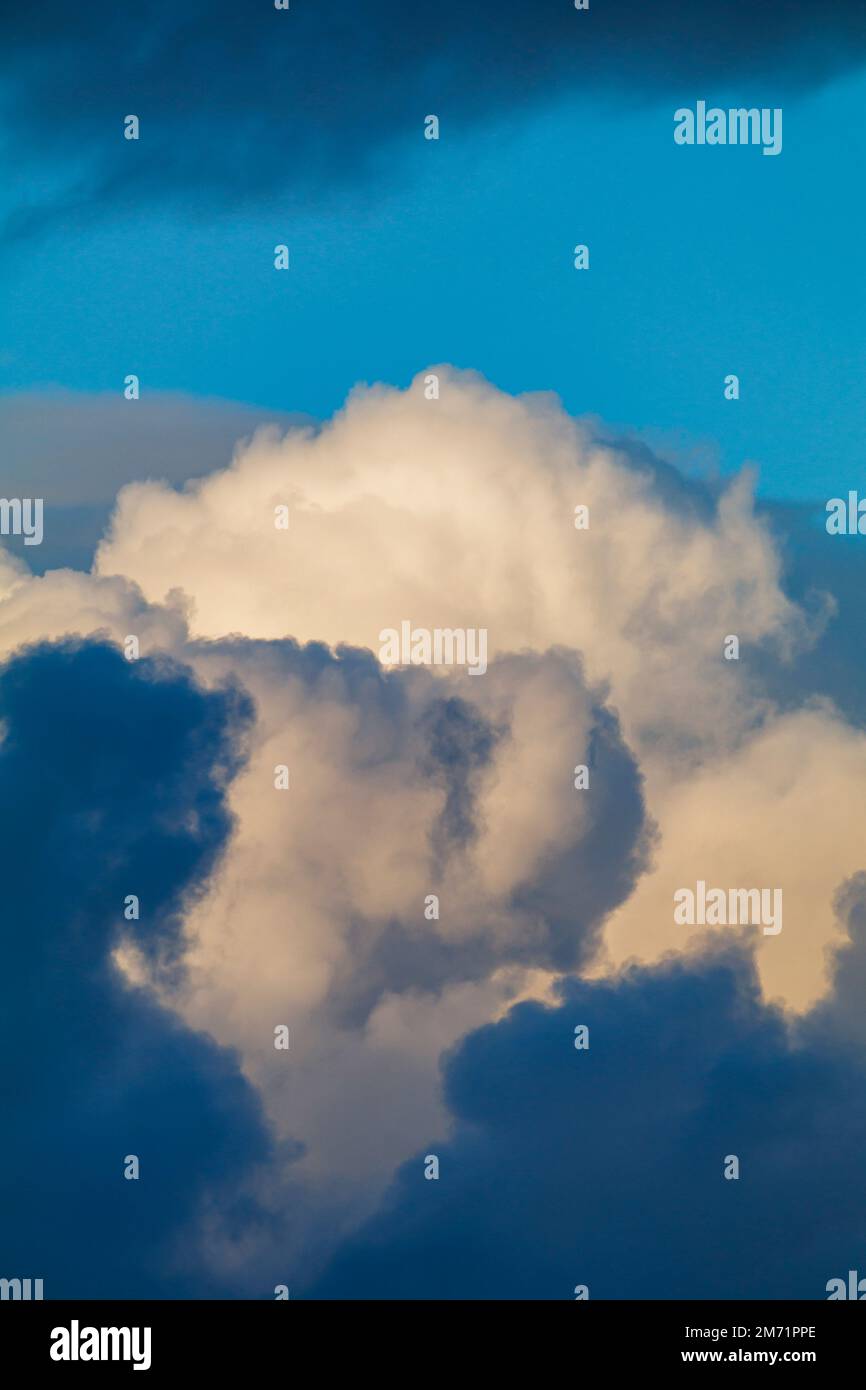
(112, 781)
(413, 782)
(76, 451)
(604, 1167)
(239, 101)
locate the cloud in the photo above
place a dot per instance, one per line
(605, 1166)
(237, 103)
(76, 451)
(112, 781)
(817, 566)
(840, 1014)
(460, 512)
(749, 819)
(403, 786)
(605, 649)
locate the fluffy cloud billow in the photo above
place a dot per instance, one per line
(311, 907)
(460, 512)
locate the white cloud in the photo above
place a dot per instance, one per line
(459, 513)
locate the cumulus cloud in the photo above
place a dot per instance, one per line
(460, 512)
(776, 812)
(403, 786)
(75, 451)
(605, 650)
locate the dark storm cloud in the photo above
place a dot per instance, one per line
(112, 781)
(238, 99)
(605, 1166)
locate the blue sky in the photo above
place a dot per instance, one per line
(703, 262)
